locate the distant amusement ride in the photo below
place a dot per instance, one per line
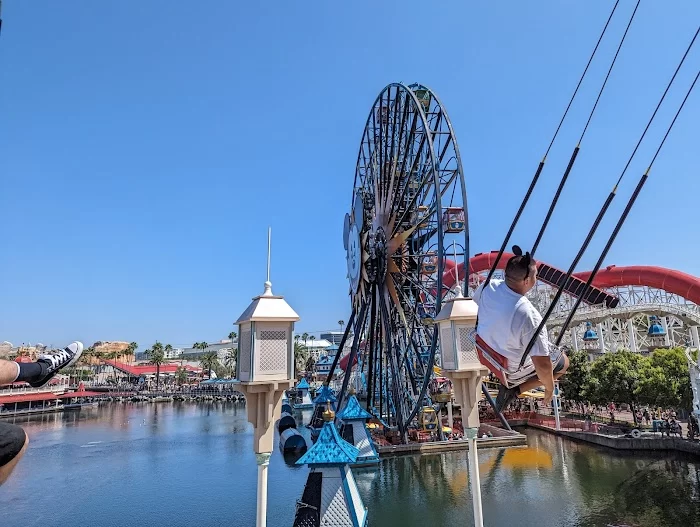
(407, 240)
(408, 212)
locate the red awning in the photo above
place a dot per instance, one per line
(27, 397)
(81, 394)
(149, 369)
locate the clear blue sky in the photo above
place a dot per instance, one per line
(146, 146)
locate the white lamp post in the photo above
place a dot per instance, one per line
(459, 361)
(264, 370)
(555, 404)
(460, 364)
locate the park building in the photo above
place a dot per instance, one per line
(222, 349)
(334, 337)
(174, 353)
(323, 364)
(316, 347)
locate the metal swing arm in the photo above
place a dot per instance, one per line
(604, 209)
(637, 190)
(536, 177)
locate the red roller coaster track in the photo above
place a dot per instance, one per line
(672, 281)
(676, 282)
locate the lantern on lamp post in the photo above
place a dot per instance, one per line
(459, 360)
(265, 369)
(460, 363)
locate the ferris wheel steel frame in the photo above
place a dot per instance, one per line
(397, 236)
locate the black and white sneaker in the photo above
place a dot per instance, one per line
(57, 360)
(505, 397)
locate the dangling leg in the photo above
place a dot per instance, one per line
(507, 395)
(558, 370)
(39, 373)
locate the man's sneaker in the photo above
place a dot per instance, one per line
(505, 397)
(57, 360)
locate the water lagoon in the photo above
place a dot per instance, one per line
(175, 464)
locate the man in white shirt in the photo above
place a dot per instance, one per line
(507, 321)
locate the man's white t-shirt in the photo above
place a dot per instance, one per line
(507, 321)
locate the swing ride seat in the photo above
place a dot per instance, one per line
(500, 367)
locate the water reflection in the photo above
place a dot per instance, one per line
(663, 492)
(161, 462)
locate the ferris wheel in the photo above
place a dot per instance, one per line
(408, 214)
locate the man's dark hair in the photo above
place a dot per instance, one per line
(520, 266)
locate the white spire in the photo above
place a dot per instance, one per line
(268, 284)
(458, 287)
(268, 307)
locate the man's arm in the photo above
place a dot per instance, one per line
(540, 350)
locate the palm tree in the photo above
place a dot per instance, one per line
(312, 338)
(86, 359)
(232, 335)
(341, 323)
(88, 353)
(310, 364)
(113, 356)
(180, 375)
(168, 349)
(230, 361)
(156, 356)
(208, 361)
(301, 355)
(305, 338)
(130, 350)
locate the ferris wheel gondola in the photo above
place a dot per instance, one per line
(408, 213)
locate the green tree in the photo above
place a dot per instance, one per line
(654, 388)
(615, 378)
(156, 356)
(577, 378)
(666, 379)
(113, 356)
(86, 363)
(208, 361)
(301, 355)
(88, 353)
(341, 323)
(232, 336)
(230, 361)
(180, 375)
(310, 364)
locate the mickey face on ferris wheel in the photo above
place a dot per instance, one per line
(352, 242)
